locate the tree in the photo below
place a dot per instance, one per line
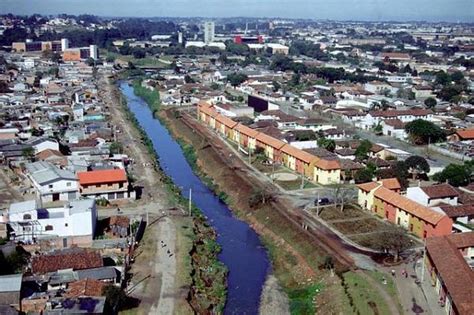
(116, 148)
(188, 79)
(454, 174)
(393, 240)
(341, 195)
(430, 102)
(139, 53)
(362, 151)
(364, 175)
(417, 165)
(54, 71)
(422, 132)
(327, 144)
(28, 153)
(442, 78)
(260, 197)
(235, 79)
(399, 170)
(90, 62)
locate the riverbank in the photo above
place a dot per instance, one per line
(208, 275)
(296, 260)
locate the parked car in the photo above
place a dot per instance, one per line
(322, 201)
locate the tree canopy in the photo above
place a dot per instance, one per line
(422, 131)
(430, 102)
(417, 165)
(362, 151)
(235, 79)
(455, 174)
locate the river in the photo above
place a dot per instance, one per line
(242, 251)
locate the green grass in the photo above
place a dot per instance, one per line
(302, 300)
(362, 293)
(152, 98)
(391, 287)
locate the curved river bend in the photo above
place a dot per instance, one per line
(242, 252)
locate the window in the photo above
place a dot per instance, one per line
(48, 228)
(97, 186)
(27, 217)
(50, 186)
(411, 227)
(68, 184)
(109, 185)
(66, 225)
(121, 185)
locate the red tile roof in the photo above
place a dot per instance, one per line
(249, 132)
(458, 211)
(86, 287)
(454, 271)
(440, 191)
(102, 176)
(328, 164)
(465, 134)
(270, 141)
(73, 258)
(391, 183)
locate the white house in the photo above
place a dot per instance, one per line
(75, 222)
(41, 144)
(52, 183)
(374, 118)
(432, 196)
(394, 128)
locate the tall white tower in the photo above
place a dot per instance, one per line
(209, 28)
(180, 37)
(64, 44)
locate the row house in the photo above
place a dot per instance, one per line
(449, 261)
(316, 169)
(418, 219)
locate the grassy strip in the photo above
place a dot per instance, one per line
(209, 275)
(363, 298)
(151, 97)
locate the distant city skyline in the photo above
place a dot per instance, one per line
(361, 10)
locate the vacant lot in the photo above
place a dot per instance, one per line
(360, 226)
(332, 213)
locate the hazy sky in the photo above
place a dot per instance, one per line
(431, 10)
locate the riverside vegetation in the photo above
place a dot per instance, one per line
(208, 274)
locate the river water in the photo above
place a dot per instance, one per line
(242, 251)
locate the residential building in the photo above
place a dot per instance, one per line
(10, 288)
(74, 258)
(110, 184)
(418, 219)
(449, 262)
(52, 183)
(73, 223)
(430, 196)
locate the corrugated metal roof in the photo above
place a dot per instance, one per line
(10, 283)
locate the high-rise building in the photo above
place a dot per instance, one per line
(64, 44)
(209, 28)
(180, 37)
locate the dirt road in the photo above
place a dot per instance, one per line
(165, 266)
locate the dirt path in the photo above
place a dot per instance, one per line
(388, 299)
(129, 136)
(273, 301)
(165, 266)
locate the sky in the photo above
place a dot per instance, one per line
(364, 10)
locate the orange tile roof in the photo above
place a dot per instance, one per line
(249, 132)
(102, 176)
(208, 110)
(226, 121)
(270, 141)
(328, 164)
(368, 186)
(298, 154)
(408, 205)
(391, 183)
(465, 134)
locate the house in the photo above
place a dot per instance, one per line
(373, 118)
(52, 156)
(366, 191)
(327, 172)
(246, 137)
(41, 144)
(110, 184)
(449, 261)
(434, 195)
(74, 223)
(418, 219)
(10, 288)
(52, 183)
(118, 226)
(72, 258)
(271, 146)
(394, 128)
(86, 287)
(462, 135)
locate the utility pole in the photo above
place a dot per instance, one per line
(190, 200)
(317, 205)
(302, 180)
(250, 155)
